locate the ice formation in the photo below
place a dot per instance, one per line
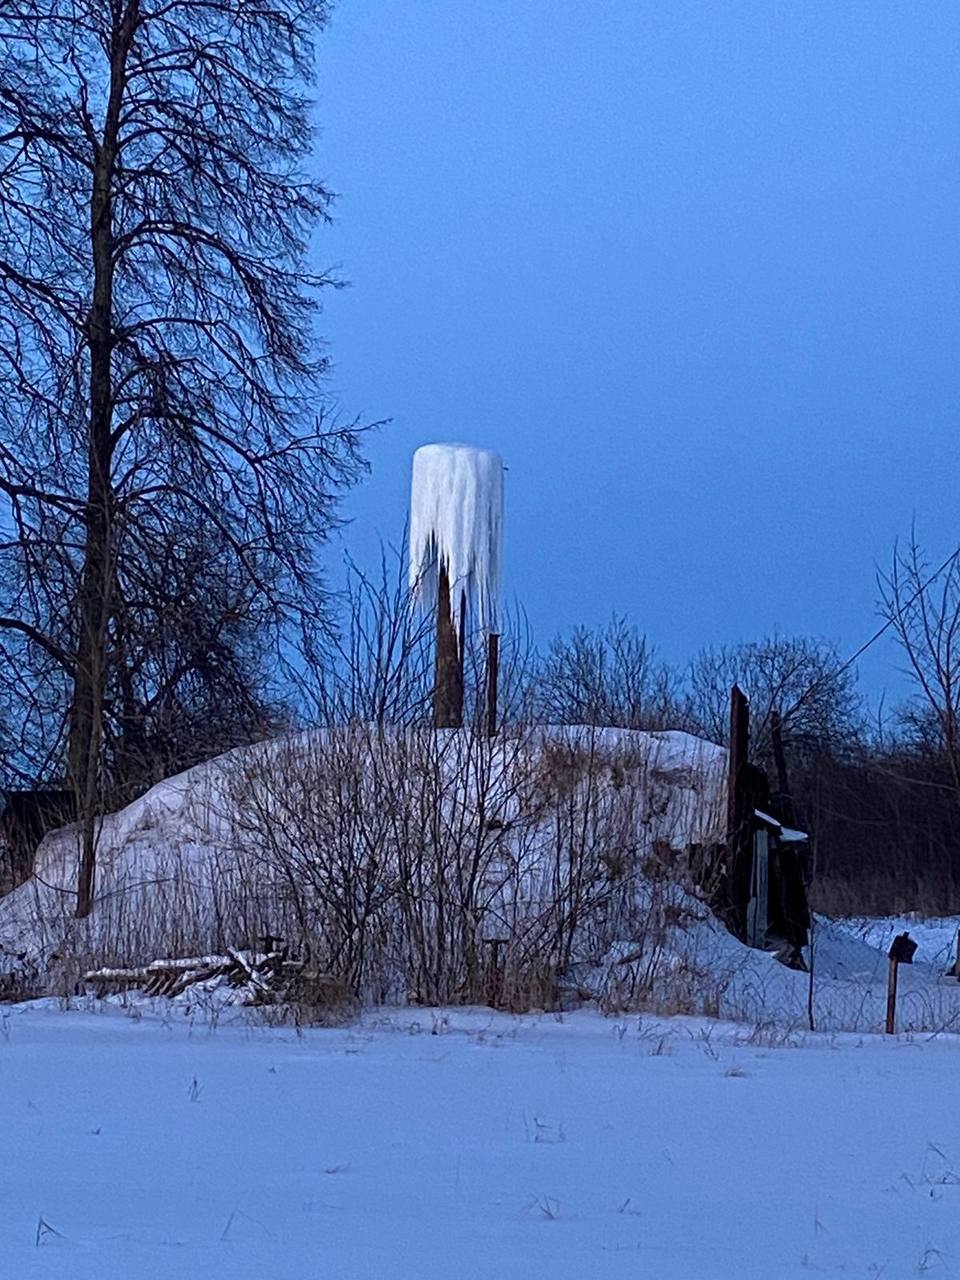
(456, 517)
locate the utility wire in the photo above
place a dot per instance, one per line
(898, 613)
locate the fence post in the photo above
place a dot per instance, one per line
(894, 965)
(902, 951)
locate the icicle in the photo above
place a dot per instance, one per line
(456, 517)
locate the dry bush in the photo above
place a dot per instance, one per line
(443, 868)
(23, 983)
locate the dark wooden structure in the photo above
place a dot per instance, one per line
(493, 679)
(743, 790)
(26, 817)
(777, 916)
(449, 680)
(762, 891)
(448, 670)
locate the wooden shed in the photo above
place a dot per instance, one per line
(762, 890)
(777, 916)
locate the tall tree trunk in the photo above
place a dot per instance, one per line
(86, 711)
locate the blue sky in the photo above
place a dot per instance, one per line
(691, 267)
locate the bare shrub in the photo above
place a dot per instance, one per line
(607, 676)
(403, 864)
(449, 867)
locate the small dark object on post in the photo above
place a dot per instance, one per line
(902, 950)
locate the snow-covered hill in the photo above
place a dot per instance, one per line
(173, 856)
(567, 833)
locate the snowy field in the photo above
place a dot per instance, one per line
(150, 1139)
(470, 1144)
(936, 938)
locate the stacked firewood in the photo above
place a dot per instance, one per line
(269, 977)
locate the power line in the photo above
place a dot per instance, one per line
(898, 613)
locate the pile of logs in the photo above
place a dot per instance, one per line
(269, 977)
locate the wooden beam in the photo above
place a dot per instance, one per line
(739, 752)
(448, 671)
(493, 680)
(739, 818)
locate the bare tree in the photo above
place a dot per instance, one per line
(378, 669)
(923, 608)
(608, 676)
(158, 365)
(190, 666)
(800, 679)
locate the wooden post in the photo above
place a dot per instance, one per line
(739, 749)
(463, 648)
(739, 827)
(894, 965)
(902, 950)
(495, 973)
(493, 679)
(448, 672)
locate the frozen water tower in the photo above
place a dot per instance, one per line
(456, 531)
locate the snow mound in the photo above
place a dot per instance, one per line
(185, 837)
(513, 817)
(936, 938)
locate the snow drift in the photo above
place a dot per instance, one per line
(362, 835)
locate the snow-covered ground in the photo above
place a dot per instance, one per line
(469, 1144)
(936, 938)
(147, 1139)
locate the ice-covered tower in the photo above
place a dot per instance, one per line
(456, 523)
